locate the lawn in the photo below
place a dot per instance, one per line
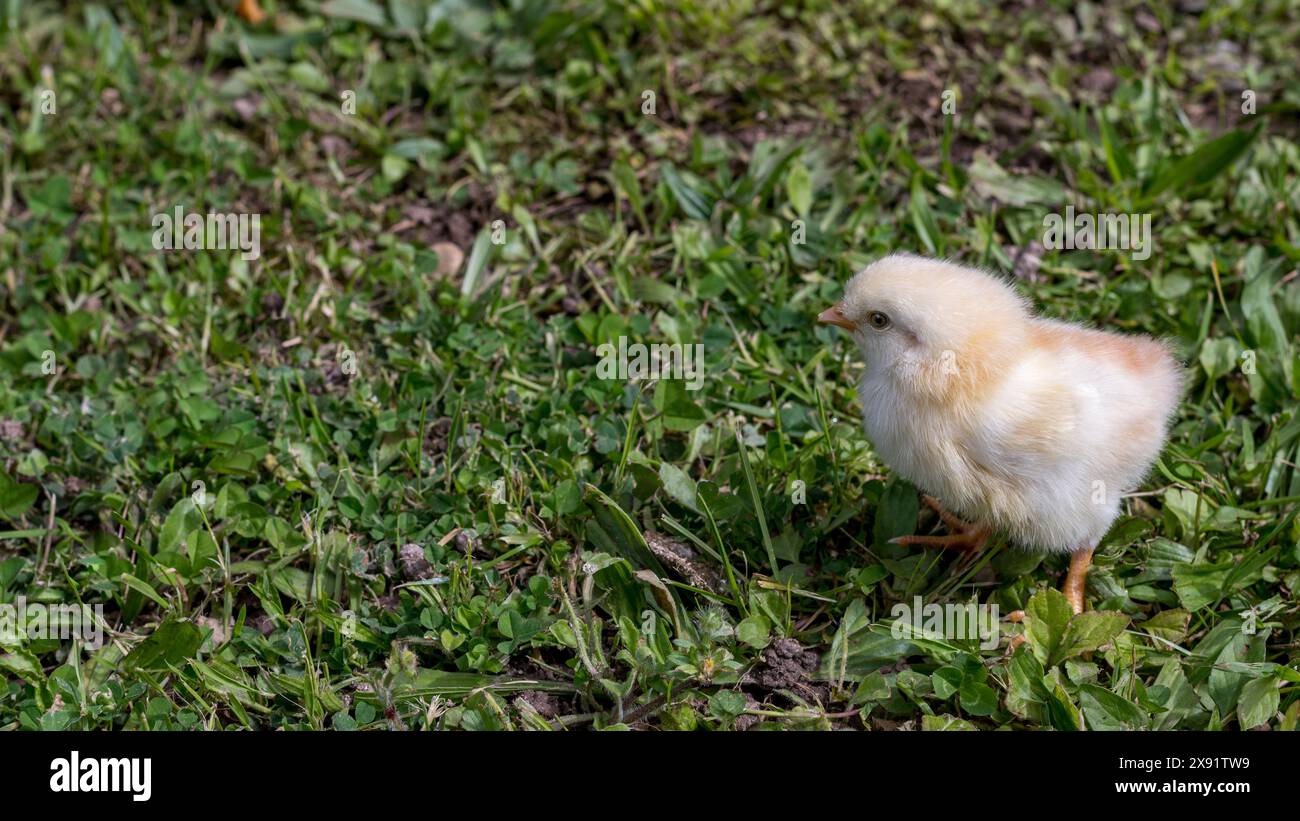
(373, 471)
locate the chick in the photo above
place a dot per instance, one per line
(1023, 425)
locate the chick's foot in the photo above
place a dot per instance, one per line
(1075, 583)
(1016, 617)
(962, 535)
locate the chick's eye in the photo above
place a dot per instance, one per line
(878, 320)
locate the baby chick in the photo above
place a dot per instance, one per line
(1025, 425)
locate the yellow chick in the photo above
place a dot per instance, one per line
(1024, 425)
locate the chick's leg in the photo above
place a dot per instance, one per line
(1076, 580)
(250, 11)
(962, 534)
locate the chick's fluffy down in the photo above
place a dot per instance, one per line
(1031, 425)
(1077, 422)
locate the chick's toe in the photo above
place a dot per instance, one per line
(962, 535)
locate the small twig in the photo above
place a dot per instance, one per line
(49, 534)
(581, 718)
(646, 710)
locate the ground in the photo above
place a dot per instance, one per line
(376, 478)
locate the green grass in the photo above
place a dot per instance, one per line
(475, 425)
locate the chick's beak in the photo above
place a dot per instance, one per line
(834, 316)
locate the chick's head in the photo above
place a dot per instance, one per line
(932, 329)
